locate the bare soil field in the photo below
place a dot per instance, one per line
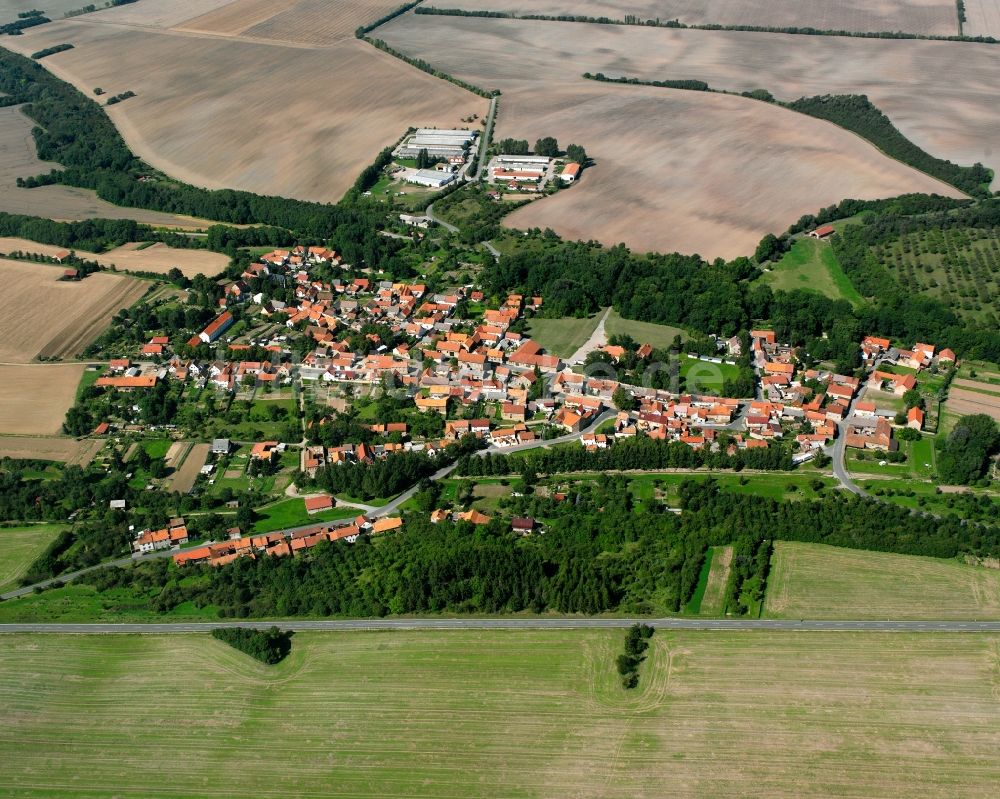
(982, 18)
(225, 112)
(156, 14)
(692, 158)
(975, 385)
(18, 158)
(53, 9)
(41, 315)
(183, 479)
(61, 449)
(157, 258)
(314, 22)
(962, 401)
(926, 17)
(34, 398)
(234, 18)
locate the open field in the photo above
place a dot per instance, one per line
(18, 158)
(714, 600)
(676, 170)
(292, 513)
(310, 22)
(54, 9)
(50, 448)
(658, 336)
(42, 315)
(514, 714)
(235, 113)
(811, 266)
(183, 479)
(157, 258)
(19, 546)
(815, 581)
(563, 336)
(982, 18)
(963, 401)
(927, 17)
(34, 398)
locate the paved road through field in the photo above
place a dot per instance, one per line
(520, 623)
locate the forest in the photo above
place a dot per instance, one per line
(596, 554)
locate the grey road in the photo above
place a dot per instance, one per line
(506, 623)
(429, 213)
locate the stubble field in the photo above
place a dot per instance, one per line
(229, 112)
(41, 315)
(936, 17)
(674, 170)
(34, 398)
(61, 449)
(814, 581)
(982, 18)
(514, 714)
(18, 158)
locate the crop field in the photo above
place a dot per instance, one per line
(183, 479)
(19, 546)
(50, 448)
(928, 17)
(961, 267)
(41, 315)
(673, 170)
(34, 398)
(965, 401)
(18, 158)
(812, 266)
(231, 112)
(815, 581)
(512, 713)
(982, 18)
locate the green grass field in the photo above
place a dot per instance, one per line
(659, 336)
(821, 582)
(705, 376)
(811, 265)
(563, 336)
(501, 713)
(19, 547)
(292, 513)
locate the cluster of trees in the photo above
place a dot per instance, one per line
(690, 85)
(636, 644)
(58, 48)
(94, 235)
(26, 19)
(633, 19)
(269, 646)
(966, 453)
(636, 453)
(364, 29)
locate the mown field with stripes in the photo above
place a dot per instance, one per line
(501, 713)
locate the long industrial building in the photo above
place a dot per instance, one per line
(438, 143)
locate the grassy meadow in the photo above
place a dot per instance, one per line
(501, 713)
(812, 266)
(19, 547)
(565, 335)
(814, 581)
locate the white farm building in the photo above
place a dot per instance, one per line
(438, 143)
(430, 177)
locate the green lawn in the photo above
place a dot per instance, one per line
(19, 547)
(659, 336)
(157, 447)
(816, 581)
(704, 376)
(501, 713)
(563, 336)
(87, 379)
(811, 265)
(292, 513)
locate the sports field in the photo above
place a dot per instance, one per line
(19, 546)
(512, 714)
(815, 581)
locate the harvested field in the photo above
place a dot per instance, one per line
(675, 170)
(814, 581)
(62, 450)
(157, 258)
(235, 17)
(962, 401)
(183, 479)
(982, 18)
(234, 113)
(321, 21)
(18, 158)
(34, 398)
(156, 14)
(9, 9)
(392, 714)
(925, 17)
(42, 315)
